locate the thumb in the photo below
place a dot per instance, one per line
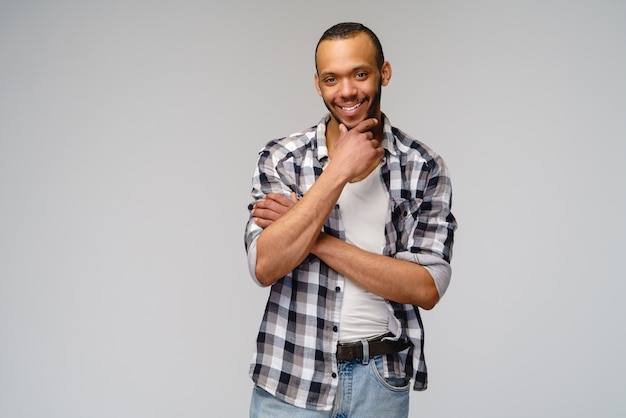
(342, 129)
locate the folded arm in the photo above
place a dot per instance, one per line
(397, 280)
(287, 240)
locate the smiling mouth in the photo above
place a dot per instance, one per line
(350, 108)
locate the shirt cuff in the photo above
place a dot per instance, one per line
(438, 268)
(252, 261)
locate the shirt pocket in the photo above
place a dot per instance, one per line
(405, 215)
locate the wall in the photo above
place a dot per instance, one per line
(128, 135)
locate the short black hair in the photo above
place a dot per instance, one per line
(347, 30)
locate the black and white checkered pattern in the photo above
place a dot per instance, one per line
(297, 340)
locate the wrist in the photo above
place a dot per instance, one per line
(338, 173)
(317, 247)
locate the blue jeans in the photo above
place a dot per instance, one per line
(363, 392)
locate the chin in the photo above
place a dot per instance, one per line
(352, 122)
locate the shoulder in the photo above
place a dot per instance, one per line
(413, 149)
(296, 142)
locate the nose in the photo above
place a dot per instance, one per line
(348, 89)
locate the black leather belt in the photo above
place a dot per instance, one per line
(377, 347)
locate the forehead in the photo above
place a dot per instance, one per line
(355, 51)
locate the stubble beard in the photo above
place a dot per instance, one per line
(371, 113)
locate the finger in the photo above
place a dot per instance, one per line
(269, 199)
(263, 223)
(273, 196)
(281, 199)
(266, 214)
(366, 125)
(294, 197)
(276, 204)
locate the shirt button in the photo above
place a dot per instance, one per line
(337, 289)
(334, 375)
(335, 328)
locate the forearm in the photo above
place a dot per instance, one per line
(286, 242)
(397, 280)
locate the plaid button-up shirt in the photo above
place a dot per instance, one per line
(296, 345)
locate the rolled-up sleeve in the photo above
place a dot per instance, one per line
(270, 176)
(438, 268)
(429, 225)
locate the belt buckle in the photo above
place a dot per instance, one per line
(352, 350)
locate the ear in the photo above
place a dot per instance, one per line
(385, 72)
(317, 84)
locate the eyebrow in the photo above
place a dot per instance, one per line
(353, 70)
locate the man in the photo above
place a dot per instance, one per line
(351, 227)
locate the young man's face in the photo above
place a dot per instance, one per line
(348, 79)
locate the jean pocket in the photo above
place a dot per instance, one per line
(398, 384)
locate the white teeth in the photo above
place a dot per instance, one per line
(351, 107)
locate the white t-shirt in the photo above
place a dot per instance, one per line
(364, 206)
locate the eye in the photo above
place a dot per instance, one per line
(330, 80)
(361, 74)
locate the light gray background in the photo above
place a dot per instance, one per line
(128, 135)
